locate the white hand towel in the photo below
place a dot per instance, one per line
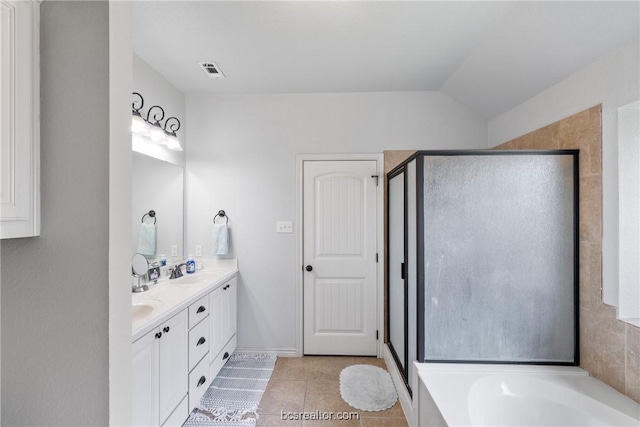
(220, 239)
(147, 239)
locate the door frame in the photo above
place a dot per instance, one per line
(299, 276)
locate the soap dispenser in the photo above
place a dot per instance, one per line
(191, 265)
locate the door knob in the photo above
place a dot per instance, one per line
(308, 268)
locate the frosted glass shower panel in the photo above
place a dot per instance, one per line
(499, 258)
(397, 282)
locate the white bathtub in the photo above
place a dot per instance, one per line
(516, 395)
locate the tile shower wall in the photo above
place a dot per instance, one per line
(609, 349)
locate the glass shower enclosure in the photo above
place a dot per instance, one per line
(483, 258)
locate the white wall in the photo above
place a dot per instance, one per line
(55, 287)
(613, 82)
(156, 90)
(241, 158)
(120, 356)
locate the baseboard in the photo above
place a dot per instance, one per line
(403, 394)
(281, 352)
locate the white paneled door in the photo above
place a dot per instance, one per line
(339, 244)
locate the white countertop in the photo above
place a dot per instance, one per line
(169, 297)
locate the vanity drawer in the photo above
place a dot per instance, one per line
(221, 358)
(199, 381)
(198, 343)
(198, 311)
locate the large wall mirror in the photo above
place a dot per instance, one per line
(158, 185)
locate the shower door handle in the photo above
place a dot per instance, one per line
(402, 272)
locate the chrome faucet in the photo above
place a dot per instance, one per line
(176, 272)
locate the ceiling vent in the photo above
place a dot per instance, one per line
(211, 69)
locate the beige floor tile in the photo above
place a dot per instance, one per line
(369, 361)
(383, 422)
(327, 367)
(311, 383)
(338, 419)
(291, 368)
(282, 395)
(325, 396)
(332, 423)
(394, 411)
(271, 420)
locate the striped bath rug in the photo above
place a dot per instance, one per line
(232, 398)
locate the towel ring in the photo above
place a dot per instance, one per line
(152, 214)
(221, 214)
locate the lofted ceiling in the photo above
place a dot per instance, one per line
(489, 56)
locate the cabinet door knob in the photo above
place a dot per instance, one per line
(201, 341)
(166, 329)
(201, 309)
(308, 268)
(158, 335)
(226, 355)
(201, 381)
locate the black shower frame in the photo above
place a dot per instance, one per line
(404, 372)
(420, 291)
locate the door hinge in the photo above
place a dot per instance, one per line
(376, 334)
(376, 257)
(376, 177)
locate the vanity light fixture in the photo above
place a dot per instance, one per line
(152, 126)
(138, 124)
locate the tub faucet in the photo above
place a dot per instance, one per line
(176, 272)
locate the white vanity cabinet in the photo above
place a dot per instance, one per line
(19, 119)
(230, 318)
(160, 373)
(223, 324)
(216, 321)
(199, 378)
(175, 360)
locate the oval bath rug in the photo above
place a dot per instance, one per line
(367, 388)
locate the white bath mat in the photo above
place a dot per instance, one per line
(367, 388)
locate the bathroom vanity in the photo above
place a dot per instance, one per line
(183, 331)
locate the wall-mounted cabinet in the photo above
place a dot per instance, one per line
(19, 119)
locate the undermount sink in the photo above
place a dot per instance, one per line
(193, 279)
(142, 309)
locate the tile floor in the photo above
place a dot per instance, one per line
(312, 383)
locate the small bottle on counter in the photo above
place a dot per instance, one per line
(163, 260)
(191, 264)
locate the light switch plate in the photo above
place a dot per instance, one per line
(174, 250)
(284, 227)
(198, 250)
